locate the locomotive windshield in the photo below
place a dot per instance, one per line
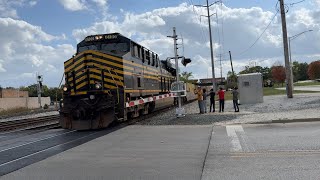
(114, 48)
(108, 43)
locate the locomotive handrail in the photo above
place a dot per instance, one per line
(118, 78)
(115, 82)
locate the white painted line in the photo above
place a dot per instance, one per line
(231, 131)
(45, 150)
(36, 141)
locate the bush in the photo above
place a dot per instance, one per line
(45, 106)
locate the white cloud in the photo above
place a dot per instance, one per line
(1, 67)
(242, 27)
(74, 5)
(100, 2)
(32, 3)
(7, 8)
(25, 53)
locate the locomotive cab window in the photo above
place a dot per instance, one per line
(139, 82)
(115, 48)
(157, 60)
(148, 56)
(143, 55)
(89, 47)
(153, 59)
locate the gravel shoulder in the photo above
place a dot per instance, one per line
(27, 115)
(273, 108)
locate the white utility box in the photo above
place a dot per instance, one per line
(250, 88)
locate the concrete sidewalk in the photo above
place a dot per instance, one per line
(304, 88)
(134, 152)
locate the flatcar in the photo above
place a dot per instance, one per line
(112, 78)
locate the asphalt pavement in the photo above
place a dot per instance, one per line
(250, 151)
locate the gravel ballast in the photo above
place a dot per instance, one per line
(273, 108)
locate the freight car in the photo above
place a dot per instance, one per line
(112, 78)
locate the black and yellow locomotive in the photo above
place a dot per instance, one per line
(107, 72)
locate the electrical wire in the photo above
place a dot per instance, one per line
(254, 43)
(196, 13)
(291, 4)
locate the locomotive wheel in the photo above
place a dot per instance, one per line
(152, 106)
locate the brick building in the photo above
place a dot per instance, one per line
(13, 93)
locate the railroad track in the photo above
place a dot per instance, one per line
(37, 122)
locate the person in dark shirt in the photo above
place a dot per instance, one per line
(221, 99)
(235, 94)
(212, 102)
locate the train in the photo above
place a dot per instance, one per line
(111, 78)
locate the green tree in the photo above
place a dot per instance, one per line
(231, 80)
(46, 91)
(265, 71)
(300, 71)
(185, 76)
(32, 89)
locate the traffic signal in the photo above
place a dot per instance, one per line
(185, 61)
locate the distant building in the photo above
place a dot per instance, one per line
(209, 80)
(13, 93)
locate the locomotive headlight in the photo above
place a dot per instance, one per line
(98, 86)
(65, 89)
(91, 97)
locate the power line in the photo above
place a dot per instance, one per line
(291, 4)
(246, 50)
(196, 13)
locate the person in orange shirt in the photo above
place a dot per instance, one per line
(221, 99)
(200, 99)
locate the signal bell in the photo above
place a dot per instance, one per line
(185, 61)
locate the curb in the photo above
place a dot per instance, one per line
(287, 121)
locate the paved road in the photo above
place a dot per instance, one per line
(273, 151)
(22, 148)
(270, 151)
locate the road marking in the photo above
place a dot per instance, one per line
(231, 131)
(36, 141)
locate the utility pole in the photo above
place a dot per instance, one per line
(211, 48)
(220, 69)
(286, 52)
(231, 63)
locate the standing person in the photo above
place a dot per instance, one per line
(200, 99)
(204, 102)
(212, 103)
(235, 94)
(221, 99)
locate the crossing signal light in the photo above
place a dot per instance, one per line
(185, 61)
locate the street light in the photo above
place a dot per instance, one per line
(290, 39)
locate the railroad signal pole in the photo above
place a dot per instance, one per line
(289, 81)
(180, 110)
(39, 88)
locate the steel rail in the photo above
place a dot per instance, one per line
(29, 123)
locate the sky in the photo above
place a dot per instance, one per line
(37, 36)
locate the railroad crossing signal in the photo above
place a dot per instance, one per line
(185, 61)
